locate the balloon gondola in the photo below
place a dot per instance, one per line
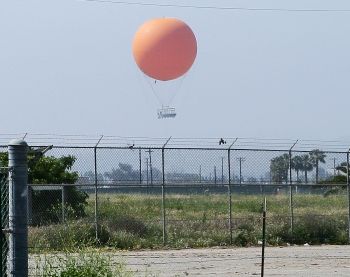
(166, 112)
(164, 49)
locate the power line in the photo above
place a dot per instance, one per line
(227, 8)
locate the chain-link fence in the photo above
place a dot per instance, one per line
(4, 213)
(148, 198)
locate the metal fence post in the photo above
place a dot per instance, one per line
(149, 151)
(230, 189)
(18, 201)
(215, 174)
(96, 189)
(30, 205)
(263, 239)
(291, 203)
(163, 198)
(163, 193)
(229, 194)
(63, 204)
(291, 208)
(140, 166)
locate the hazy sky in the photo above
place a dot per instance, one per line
(66, 67)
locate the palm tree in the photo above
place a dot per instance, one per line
(317, 156)
(297, 165)
(306, 165)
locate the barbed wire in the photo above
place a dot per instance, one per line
(83, 140)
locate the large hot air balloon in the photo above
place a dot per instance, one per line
(164, 49)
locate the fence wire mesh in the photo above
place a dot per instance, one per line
(4, 213)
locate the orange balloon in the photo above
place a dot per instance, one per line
(164, 48)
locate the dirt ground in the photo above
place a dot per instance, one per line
(318, 261)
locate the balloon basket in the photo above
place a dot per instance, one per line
(166, 112)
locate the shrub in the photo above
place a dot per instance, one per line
(91, 264)
(128, 224)
(308, 229)
(52, 170)
(278, 230)
(46, 207)
(124, 240)
(245, 235)
(318, 230)
(60, 237)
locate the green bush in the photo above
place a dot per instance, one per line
(308, 229)
(60, 237)
(47, 205)
(91, 264)
(124, 240)
(127, 224)
(246, 234)
(319, 230)
(278, 230)
(52, 170)
(82, 234)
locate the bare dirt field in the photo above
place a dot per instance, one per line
(318, 261)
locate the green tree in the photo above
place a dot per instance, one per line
(52, 170)
(306, 165)
(317, 156)
(342, 168)
(340, 178)
(279, 167)
(297, 165)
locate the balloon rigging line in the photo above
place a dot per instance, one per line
(168, 103)
(152, 88)
(177, 89)
(217, 7)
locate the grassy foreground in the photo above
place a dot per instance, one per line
(134, 221)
